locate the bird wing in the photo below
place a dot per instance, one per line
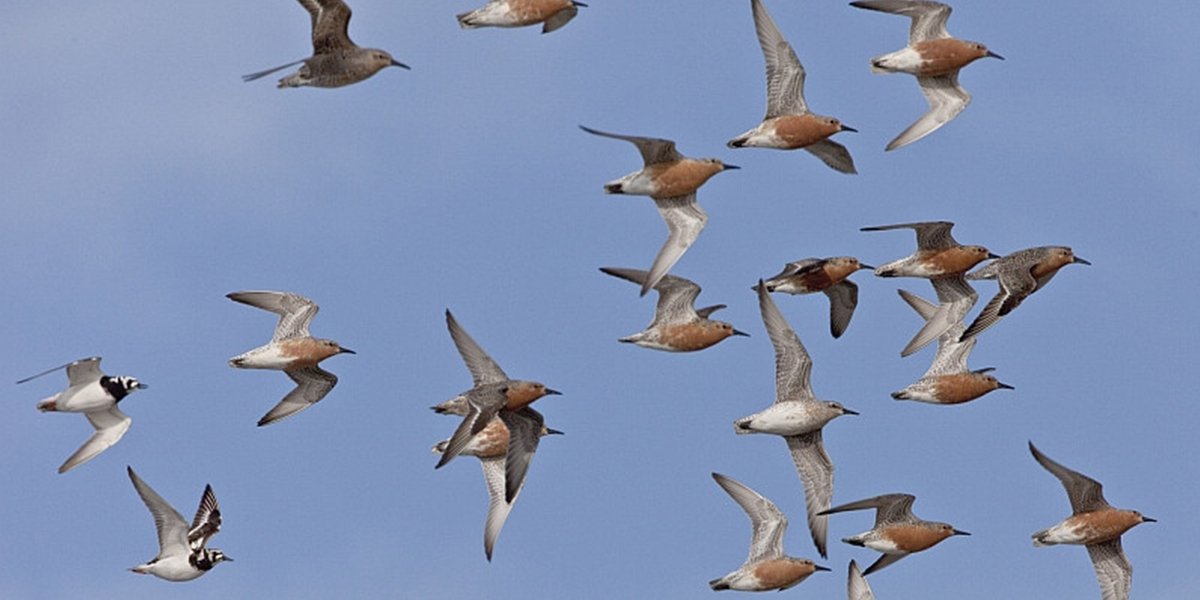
(312, 383)
(110, 426)
(172, 529)
(483, 369)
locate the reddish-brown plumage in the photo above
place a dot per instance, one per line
(690, 337)
(946, 262)
(798, 131)
(307, 352)
(956, 388)
(681, 177)
(946, 56)
(915, 538)
(1102, 525)
(528, 12)
(782, 573)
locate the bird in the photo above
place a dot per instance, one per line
(788, 123)
(493, 395)
(827, 275)
(798, 416)
(948, 381)
(291, 350)
(677, 326)
(1095, 524)
(552, 14)
(897, 531)
(336, 61)
(523, 428)
(182, 555)
(857, 587)
(938, 255)
(767, 567)
(671, 179)
(1019, 274)
(934, 57)
(96, 395)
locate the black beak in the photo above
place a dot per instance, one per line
(848, 128)
(346, 351)
(550, 392)
(396, 63)
(736, 332)
(1081, 261)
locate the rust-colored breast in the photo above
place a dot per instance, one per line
(798, 131)
(306, 352)
(838, 272)
(492, 441)
(523, 393)
(681, 177)
(528, 12)
(1103, 525)
(781, 573)
(947, 55)
(690, 337)
(961, 387)
(1050, 264)
(953, 261)
(915, 538)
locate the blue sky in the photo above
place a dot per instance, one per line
(143, 180)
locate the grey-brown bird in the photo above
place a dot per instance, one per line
(336, 61)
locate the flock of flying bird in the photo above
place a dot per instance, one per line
(500, 428)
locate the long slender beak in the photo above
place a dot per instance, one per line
(579, 4)
(846, 411)
(862, 266)
(820, 568)
(553, 432)
(736, 332)
(346, 351)
(550, 392)
(848, 128)
(984, 370)
(993, 255)
(396, 63)
(1004, 386)
(726, 167)
(994, 55)
(957, 532)
(1081, 261)
(1146, 519)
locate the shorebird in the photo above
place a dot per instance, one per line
(1019, 274)
(897, 532)
(671, 179)
(934, 57)
(677, 326)
(291, 350)
(788, 123)
(336, 61)
(827, 275)
(182, 555)
(1093, 523)
(96, 395)
(798, 416)
(938, 254)
(552, 14)
(522, 428)
(492, 396)
(948, 381)
(767, 567)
